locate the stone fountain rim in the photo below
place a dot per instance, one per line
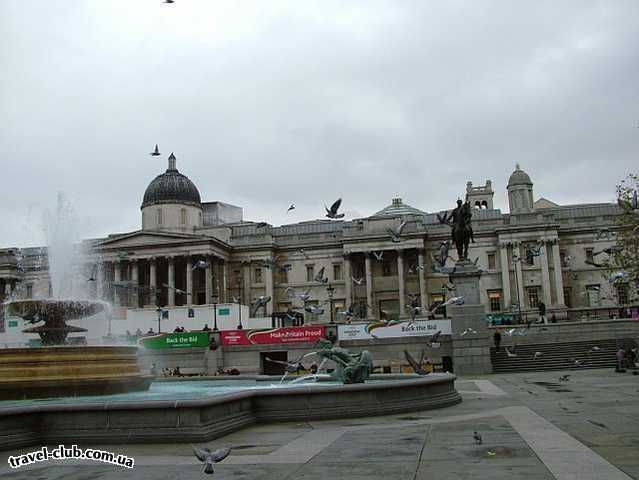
(226, 397)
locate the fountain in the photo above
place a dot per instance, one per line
(57, 369)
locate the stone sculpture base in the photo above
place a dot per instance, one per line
(69, 371)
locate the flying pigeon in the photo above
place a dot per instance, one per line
(260, 302)
(156, 152)
(358, 281)
(292, 207)
(172, 1)
(509, 353)
(537, 355)
(595, 349)
(314, 309)
(396, 232)
(305, 296)
(320, 278)
(477, 438)
(467, 331)
(564, 378)
(379, 256)
(200, 264)
(332, 212)
(206, 455)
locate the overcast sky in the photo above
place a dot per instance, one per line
(266, 103)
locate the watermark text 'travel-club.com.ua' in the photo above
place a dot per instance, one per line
(69, 453)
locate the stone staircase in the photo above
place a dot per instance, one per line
(558, 356)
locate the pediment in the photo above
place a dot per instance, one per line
(145, 239)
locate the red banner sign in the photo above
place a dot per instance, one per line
(272, 336)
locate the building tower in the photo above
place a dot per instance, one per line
(520, 192)
(480, 197)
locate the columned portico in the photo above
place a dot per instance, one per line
(421, 272)
(189, 281)
(153, 281)
(348, 281)
(135, 280)
(559, 282)
(505, 274)
(402, 286)
(171, 281)
(369, 286)
(545, 274)
(117, 287)
(208, 280)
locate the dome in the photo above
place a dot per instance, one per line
(171, 187)
(519, 177)
(397, 208)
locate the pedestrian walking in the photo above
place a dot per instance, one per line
(497, 338)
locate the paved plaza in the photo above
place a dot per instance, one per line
(533, 427)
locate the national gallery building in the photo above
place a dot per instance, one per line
(190, 253)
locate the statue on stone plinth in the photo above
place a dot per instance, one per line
(462, 231)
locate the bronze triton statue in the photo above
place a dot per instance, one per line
(462, 231)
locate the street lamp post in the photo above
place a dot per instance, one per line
(239, 302)
(330, 291)
(517, 258)
(444, 299)
(214, 301)
(159, 310)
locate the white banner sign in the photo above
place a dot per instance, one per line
(363, 331)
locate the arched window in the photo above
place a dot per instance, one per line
(477, 204)
(183, 216)
(484, 204)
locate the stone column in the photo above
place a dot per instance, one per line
(520, 275)
(135, 280)
(171, 281)
(189, 281)
(545, 274)
(268, 283)
(99, 281)
(117, 277)
(348, 281)
(421, 272)
(246, 291)
(559, 281)
(224, 294)
(208, 279)
(369, 285)
(402, 286)
(153, 281)
(505, 274)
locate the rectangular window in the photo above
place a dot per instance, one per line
(530, 251)
(337, 271)
(494, 297)
(282, 276)
(310, 273)
(563, 258)
(183, 216)
(258, 276)
(567, 297)
(589, 255)
(29, 291)
(160, 216)
(492, 263)
(594, 297)
(386, 269)
(437, 299)
(622, 294)
(532, 293)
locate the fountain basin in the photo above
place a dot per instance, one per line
(201, 420)
(69, 371)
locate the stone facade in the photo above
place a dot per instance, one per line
(156, 265)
